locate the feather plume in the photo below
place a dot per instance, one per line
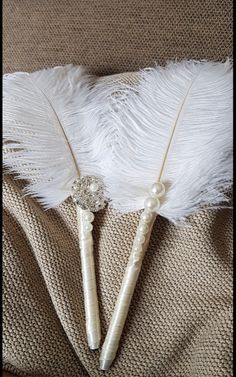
(174, 125)
(48, 143)
(45, 130)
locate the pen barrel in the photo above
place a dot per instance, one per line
(120, 313)
(93, 329)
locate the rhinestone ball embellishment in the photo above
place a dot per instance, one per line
(88, 193)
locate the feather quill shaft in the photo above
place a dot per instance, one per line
(63, 132)
(173, 132)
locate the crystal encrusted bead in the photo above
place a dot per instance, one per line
(88, 193)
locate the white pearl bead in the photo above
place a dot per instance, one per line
(137, 248)
(151, 203)
(139, 239)
(88, 227)
(88, 216)
(142, 229)
(157, 189)
(146, 216)
(93, 187)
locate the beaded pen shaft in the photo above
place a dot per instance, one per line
(133, 268)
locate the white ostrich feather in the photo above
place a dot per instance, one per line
(174, 125)
(45, 130)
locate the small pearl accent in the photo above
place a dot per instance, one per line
(139, 239)
(88, 227)
(137, 248)
(88, 216)
(142, 228)
(93, 187)
(151, 203)
(146, 216)
(157, 190)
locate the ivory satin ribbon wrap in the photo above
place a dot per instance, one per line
(93, 328)
(120, 313)
(140, 245)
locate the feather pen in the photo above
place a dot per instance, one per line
(167, 149)
(47, 143)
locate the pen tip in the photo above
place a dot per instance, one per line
(94, 346)
(105, 364)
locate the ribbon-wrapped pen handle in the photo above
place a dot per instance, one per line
(93, 330)
(133, 268)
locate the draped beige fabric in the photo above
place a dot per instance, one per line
(180, 320)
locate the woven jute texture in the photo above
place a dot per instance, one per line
(114, 35)
(179, 323)
(180, 320)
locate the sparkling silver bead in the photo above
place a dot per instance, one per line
(88, 193)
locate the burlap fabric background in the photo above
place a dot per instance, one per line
(180, 319)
